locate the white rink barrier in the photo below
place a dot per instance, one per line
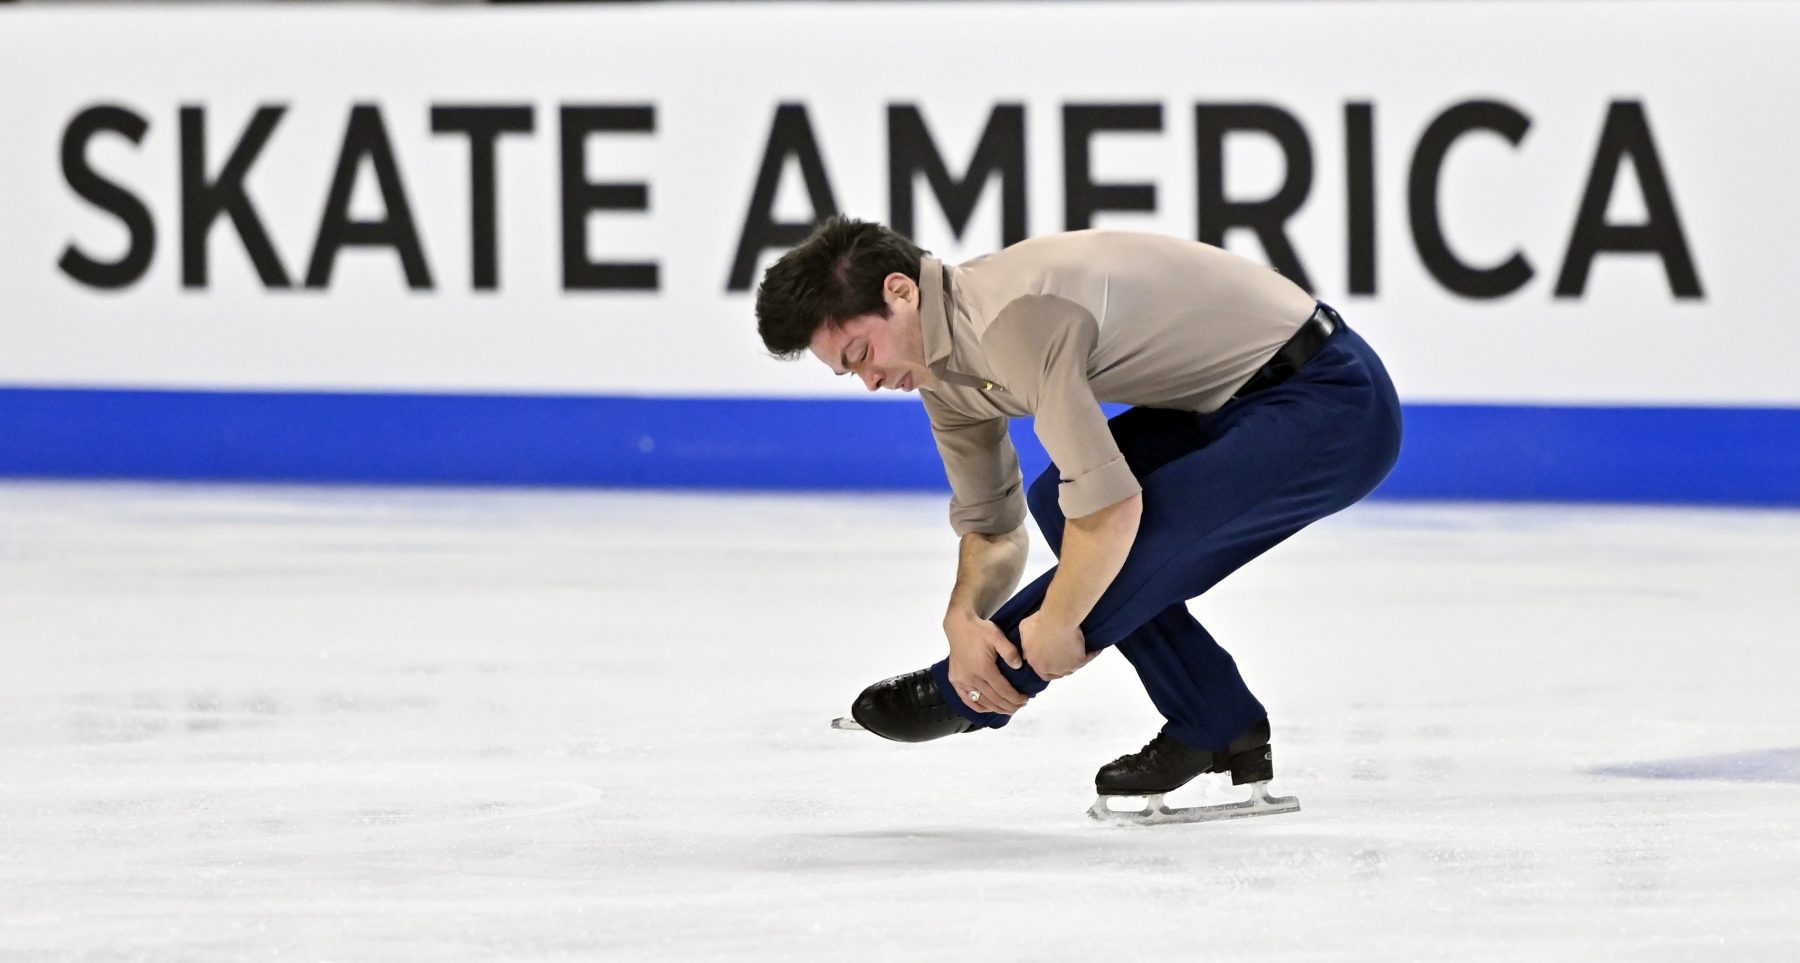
(518, 244)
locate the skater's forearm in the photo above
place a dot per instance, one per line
(988, 568)
(1093, 551)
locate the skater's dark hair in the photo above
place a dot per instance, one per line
(832, 276)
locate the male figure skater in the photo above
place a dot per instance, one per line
(1256, 411)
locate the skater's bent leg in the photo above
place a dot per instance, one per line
(1274, 464)
(1148, 438)
(1265, 469)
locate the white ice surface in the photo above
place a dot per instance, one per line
(436, 725)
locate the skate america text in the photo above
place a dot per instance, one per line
(221, 196)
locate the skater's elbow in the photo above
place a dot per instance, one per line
(1118, 520)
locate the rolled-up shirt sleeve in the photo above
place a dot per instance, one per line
(1040, 345)
(987, 494)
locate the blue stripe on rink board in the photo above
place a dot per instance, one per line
(1691, 455)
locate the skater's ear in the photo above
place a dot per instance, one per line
(897, 289)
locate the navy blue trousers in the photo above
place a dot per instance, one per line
(1219, 490)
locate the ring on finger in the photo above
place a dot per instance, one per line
(974, 695)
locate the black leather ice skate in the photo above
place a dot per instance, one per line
(1166, 765)
(906, 708)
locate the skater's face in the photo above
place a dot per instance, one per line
(883, 352)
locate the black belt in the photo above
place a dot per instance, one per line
(1299, 349)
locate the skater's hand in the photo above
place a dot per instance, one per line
(976, 645)
(1053, 650)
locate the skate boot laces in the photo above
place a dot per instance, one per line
(1160, 749)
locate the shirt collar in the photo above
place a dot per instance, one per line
(936, 310)
(937, 315)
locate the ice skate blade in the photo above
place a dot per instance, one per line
(845, 722)
(1154, 812)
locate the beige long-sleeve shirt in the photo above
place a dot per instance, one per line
(1054, 325)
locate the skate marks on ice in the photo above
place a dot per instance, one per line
(102, 718)
(1763, 765)
(1064, 849)
(431, 725)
